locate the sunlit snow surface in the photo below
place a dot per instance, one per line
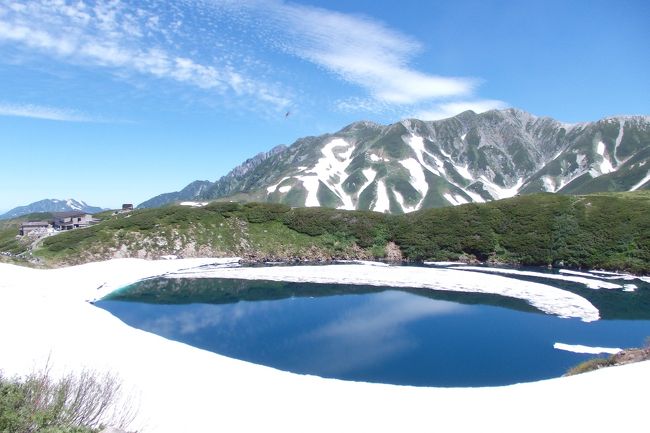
(336, 158)
(642, 182)
(175, 387)
(382, 204)
(579, 348)
(591, 283)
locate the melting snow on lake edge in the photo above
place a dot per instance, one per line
(579, 348)
(546, 298)
(588, 282)
(176, 387)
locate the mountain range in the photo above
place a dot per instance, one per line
(51, 205)
(416, 164)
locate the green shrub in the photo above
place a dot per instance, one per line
(609, 231)
(590, 365)
(75, 403)
(263, 212)
(223, 208)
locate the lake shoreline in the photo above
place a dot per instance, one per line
(45, 314)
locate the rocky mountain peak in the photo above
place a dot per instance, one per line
(415, 164)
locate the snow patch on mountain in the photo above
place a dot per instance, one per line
(642, 182)
(619, 138)
(311, 185)
(463, 171)
(370, 175)
(549, 183)
(417, 144)
(272, 188)
(499, 192)
(418, 181)
(511, 152)
(78, 205)
(382, 204)
(476, 198)
(330, 169)
(455, 199)
(445, 154)
(405, 208)
(440, 164)
(606, 165)
(376, 158)
(51, 205)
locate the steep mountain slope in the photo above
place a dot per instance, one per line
(608, 155)
(190, 192)
(51, 205)
(235, 181)
(471, 157)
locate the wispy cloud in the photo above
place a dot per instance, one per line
(115, 35)
(449, 109)
(224, 47)
(41, 112)
(357, 49)
(372, 332)
(363, 52)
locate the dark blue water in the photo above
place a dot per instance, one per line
(415, 337)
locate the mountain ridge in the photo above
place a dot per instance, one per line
(51, 205)
(414, 164)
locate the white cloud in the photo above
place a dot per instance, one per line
(41, 112)
(450, 109)
(357, 49)
(115, 35)
(220, 52)
(372, 332)
(363, 52)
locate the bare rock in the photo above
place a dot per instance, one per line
(393, 253)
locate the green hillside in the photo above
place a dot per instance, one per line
(12, 247)
(607, 230)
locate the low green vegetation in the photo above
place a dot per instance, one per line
(607, 230)
(75, 403)
(595, 231)
(12, 246)
(627, 356)
(590, 365)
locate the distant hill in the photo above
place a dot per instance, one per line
(51, 205)
(603, 230)
(415, 164)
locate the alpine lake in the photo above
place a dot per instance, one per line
(418, 337)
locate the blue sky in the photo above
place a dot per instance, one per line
(117, 101)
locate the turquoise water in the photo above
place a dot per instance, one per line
(409, 337)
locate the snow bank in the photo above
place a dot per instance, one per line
(193, 203)
(443, 263)
(591, 283)
(579, 348)
(546, 298)
(179, 388)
